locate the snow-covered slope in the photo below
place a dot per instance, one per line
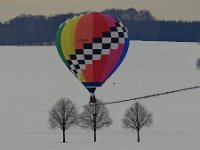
(33, 78)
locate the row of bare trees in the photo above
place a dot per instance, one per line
(64, 114)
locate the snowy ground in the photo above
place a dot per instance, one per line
(33, 78)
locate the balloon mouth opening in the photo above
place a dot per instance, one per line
(91, 90)
(91, 86)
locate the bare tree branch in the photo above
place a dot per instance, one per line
(86, 119)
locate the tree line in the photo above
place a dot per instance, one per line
(142, 25)
(95, 116)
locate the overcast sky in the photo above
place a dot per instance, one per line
(161, 9)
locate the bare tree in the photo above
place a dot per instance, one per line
(94, 117)
(63, 115)
(198, 63)
(137, 117)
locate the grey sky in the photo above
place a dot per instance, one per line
(161, 9)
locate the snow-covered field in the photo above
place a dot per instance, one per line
(33, 78)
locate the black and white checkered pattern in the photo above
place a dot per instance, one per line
(100, 46)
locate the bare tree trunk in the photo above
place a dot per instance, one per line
(63, 135)
(138, 125)
(94, 127)
(138, 135)
(94, 102)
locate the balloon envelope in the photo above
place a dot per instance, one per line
(92, 46)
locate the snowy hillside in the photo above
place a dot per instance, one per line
(33, 78)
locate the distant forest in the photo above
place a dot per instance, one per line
(40, 30)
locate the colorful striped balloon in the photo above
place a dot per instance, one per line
(92, 45)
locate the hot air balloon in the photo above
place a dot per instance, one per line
(92, 46)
